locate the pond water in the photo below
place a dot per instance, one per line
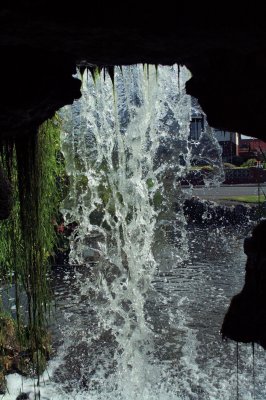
(184, 357)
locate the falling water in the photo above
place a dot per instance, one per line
(125, 145)
(124, 330)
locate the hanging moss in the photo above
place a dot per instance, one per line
(28, 238)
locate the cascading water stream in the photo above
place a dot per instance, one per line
(122, 155)
(126, 148)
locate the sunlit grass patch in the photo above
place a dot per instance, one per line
(247, 199)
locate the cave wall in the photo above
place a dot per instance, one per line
(41, 43)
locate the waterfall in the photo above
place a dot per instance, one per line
(123, 142)
(126, 148)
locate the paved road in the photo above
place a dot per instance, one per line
(225, 191)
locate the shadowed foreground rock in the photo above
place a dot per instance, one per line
(5, 197)
(245, 320)
(209, 213)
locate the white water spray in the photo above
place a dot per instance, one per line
(122, 146)
(126, 148)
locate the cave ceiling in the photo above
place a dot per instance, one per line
(41, 44)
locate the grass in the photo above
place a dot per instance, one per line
(246, 199)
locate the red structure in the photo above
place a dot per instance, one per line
(252, 148)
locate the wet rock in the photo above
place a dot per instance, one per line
(23, 396)
(206, 213)
(27, 396)
(245, 320)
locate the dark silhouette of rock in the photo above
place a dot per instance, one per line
(245, 320)
(5, 196)
(23, 396)
(41, 42)
(28, 396)
(208, 213)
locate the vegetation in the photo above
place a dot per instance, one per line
(228, 165)
(28, 237)
(252, 162)
(246, 199)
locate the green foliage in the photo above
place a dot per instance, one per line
(246, 199)
(28, 238)
(229, 166)
(249, 163)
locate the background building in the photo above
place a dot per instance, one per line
(250, 147)
(229, 141)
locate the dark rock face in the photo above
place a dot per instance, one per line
(5, 196)
(26, 396)
(35, 84)
(208, 213)
(245, 320)
(229, 96)
(41, 42)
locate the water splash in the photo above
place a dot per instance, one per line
(126, 146)
(122, 147)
